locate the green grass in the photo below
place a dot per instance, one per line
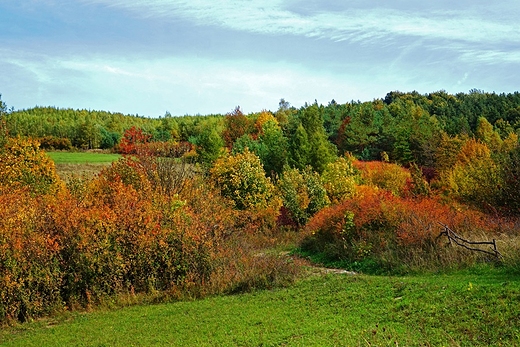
(471, 308)
(86, 164)
(82, 157)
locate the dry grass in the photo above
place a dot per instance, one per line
(88, 170)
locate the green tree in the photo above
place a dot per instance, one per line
(109, 139)
(447, 150)
(360, 131)
(3, 124)
(246, 142)
(274, 148)
(88, 135)
(300, 148)
(3, 108)
(487, 134)
(284, 113)
(210, 145)
(510, 166)
(319, 151)
(503, 128)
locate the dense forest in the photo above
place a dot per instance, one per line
(194, 201)
(401, 124)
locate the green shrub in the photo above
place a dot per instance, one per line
(302, 193)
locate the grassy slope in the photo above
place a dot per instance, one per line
(462, 309)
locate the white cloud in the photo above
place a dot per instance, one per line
(491, 56)
(273, 17)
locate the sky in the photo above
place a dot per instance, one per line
(189, 57)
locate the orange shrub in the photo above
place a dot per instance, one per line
(30, 276)
(121, 234)
(377, 225)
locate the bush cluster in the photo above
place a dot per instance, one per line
(397, 233)
(133, 229)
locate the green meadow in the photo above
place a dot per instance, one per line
(82, 157)
(81, 163)
(476, 307)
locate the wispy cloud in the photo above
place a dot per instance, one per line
(205, 56)
(151, 87)
(275, 17)
(490, 56)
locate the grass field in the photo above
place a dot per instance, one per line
(81, 163)
(480, 307)
(82, 157)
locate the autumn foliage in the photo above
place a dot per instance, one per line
(125, 232)
(195, 205)
(394, 232)
(132, 139)
(24, 165)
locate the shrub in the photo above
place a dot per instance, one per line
(339, 179)
(52, 142)
(397, 233)
(242, 179)
(475, 178)
(418, 186)
(23, 164)
(164, 149)
(302, 193)
(387, 176)
(30, 274)
(121, 233)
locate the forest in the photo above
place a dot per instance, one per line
(196, 204)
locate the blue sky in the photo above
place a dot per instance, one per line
(147, 57)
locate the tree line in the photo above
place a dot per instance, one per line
(464, 144)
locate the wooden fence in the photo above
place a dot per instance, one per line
(470, 245)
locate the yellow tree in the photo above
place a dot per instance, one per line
(241, 178)
(475, 178)
(23, 164)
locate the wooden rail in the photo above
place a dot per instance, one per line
(453, 237)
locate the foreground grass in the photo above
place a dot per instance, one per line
(471, 308)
